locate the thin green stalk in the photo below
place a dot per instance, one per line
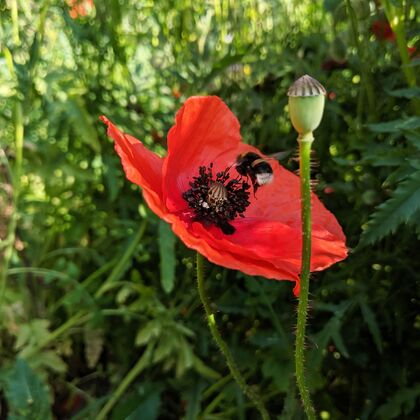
(141, 364)
(305, 143)
(364, 65)
(17, 170)
(211, 320)
(216, 386)
(15, 21)
(119, 268)
(396, 18)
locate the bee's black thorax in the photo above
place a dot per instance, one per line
(254, 167)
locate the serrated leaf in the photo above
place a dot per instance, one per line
(279, 371)
(183, 330)
(395, 126)
(167, 256)
(398, 175)
(26, 394)
(49, 359)
(32, 333)
(413, 138)
(337, 338)
(151, 330)
(400, 208)
(94, 342)
(331, 330)
(370, 320)
(163, 350)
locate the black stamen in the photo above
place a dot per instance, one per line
(217, 201)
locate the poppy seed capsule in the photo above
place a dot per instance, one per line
(306, 104)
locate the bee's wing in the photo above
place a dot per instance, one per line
(280, 155)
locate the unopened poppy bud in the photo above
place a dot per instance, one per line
(306, 104)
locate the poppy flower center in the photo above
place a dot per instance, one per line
(217, 201)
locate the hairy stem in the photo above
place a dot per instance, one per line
(211, 321)
(305, 143)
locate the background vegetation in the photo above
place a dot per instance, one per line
(89, 328)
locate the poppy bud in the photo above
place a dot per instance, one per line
(306, 104)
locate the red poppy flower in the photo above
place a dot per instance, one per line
(411, 51)
(198, 190)
(331, 64)
(80, 8)
(382, 30)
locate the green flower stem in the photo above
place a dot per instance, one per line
(211, 320)
(135, 371)
(305, 142)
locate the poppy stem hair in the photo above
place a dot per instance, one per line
(305, 142)
(306, 106)
(223, 347)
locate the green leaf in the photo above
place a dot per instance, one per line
(203, 369)
(26, 394)
(167, 256)
(400, 208)
(395, 126)
(400, 405)
(151, 331)
(148, 408)
(49, 359)
(290, 401)
(413, 63)
(143, 403)
(32, 333)
(193, 398)
(370, 320)
(279, 371)
(408, 93)
(398, 175)
(81, 122)
(414, 139)
(337, 338)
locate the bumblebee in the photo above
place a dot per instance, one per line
(256, 168)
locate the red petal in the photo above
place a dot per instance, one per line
(141, 166)
(204, 129)
(242, 259)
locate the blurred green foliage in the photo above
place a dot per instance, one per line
(90, 326)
